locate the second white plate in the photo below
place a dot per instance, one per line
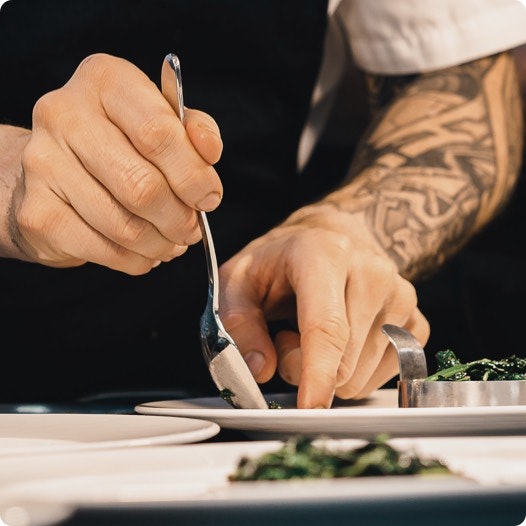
(46, 489)
(25, 434)
(353, 419)
(200, 472)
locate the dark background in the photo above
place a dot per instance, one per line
(91, 329)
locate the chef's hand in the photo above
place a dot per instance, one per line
(338, 288)
(109, 174)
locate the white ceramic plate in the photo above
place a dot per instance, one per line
(42, 490)
(45, 433)
(361, 419)
(199, 472)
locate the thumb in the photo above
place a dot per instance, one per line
(249, 330)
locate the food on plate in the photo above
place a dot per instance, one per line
(227, 395)
(302, 457)
(450, 368)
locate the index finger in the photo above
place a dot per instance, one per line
(324, 329)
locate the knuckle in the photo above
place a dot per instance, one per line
(332, 335)
(183, 226)
(140, 187)
(340, 241)
(34, 223)
(34, 158)
(425, 328)
(420, 327)
(27, 223)
(409, 292)
(93, 61)
(155, 136)
(330, 238)
(404, 296)
(45, 108)
(132, 230)
(56, 112)
(97, 66)
(381, 274)
(187, 178)
(381, 266)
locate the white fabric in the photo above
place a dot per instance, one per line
(331, 71)
(407, 36)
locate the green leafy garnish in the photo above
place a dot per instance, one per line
(450, 368)
(227, 395)
(300, 458)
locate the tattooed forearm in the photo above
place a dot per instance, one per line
(439, 161)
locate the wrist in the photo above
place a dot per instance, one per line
(13, 141)
(326, 214)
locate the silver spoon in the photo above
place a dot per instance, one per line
(225, 363)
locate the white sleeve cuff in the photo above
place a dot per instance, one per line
(411, 36)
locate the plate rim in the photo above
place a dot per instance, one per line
(271, 422)
(208, 429)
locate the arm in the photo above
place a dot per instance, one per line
(440, 159)
(440, 162)
(107, 174)
(13, 140)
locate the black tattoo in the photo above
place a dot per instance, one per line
(441, 158)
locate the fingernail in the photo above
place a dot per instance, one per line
(210, 202)
(156, 263)
(255, 361)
